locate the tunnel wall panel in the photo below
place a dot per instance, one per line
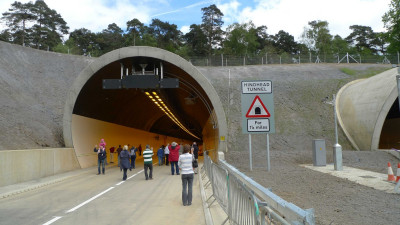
(17, 166)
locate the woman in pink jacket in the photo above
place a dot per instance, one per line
(174, 157)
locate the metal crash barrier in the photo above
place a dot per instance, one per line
(248, 203)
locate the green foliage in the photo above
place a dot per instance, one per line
(363, 73)
(317, 36)
(196, 41)
(166, 35)
(339, 45)
(38, 26)
(241, 39)
(391, 20)
(362, 37)
(135, 30)
(84, 40)
(348, 71)
(212, 26)
(110, 39)
(16, 19)
(284, 42)
(35, 25)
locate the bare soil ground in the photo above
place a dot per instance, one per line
(301, 117)
(34, 86)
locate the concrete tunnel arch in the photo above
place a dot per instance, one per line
(142, 52)
(368, 112)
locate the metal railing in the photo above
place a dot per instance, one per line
(247, 202)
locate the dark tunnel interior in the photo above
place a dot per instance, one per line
(390, 135)
(131, 107)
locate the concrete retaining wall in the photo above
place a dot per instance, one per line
(18, 166)
(362, 107)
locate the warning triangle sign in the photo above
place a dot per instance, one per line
(257, 109)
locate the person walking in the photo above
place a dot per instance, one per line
(133, 156)
(101, 158)
(166, 153)
(174, 157)
(125, 164)
(196, 155)
(185, 166)
(160, 154)
(148, 162)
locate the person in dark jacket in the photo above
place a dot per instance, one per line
(125, 161)
(101, 159)
(174, 157)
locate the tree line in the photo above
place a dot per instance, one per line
(37, 26)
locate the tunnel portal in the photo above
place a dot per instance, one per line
(156, 114)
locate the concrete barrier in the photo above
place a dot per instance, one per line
(18, 166)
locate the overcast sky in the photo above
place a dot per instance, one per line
(288, 15)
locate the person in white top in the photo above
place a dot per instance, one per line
(166, 153)
(186, 169)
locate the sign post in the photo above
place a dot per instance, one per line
(258, 111)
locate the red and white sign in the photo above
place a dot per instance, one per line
(257, 109)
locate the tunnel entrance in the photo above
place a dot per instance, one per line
(190, 112)
(390, 135)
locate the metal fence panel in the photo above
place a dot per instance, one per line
(243, 208)
(286, 58)
(220, 185)
(291, 212)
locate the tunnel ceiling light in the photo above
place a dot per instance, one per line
(168, 112)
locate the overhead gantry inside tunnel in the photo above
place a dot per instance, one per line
(142, 95)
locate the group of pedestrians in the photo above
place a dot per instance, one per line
(184, 164)
(126, 157)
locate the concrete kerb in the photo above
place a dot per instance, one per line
(367, 178)
(15, 189)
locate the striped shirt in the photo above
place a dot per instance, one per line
(185, 163)
(147, 156)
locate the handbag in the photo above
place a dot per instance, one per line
(194, 163)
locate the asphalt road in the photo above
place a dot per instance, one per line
(104, 199)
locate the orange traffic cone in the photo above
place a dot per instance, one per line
(390, 173)
(398, 172)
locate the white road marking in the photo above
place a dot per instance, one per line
(89, 200)
(135, 174)
(120, 182)
(53, 220)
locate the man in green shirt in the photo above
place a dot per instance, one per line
(148, 162)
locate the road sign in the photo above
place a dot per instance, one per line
(258, 125)
(257, 107)
(257, 87)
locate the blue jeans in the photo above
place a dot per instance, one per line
(187, 186)
(133, 159)
(160, 160)
(150, 167)
(101, 162)
(172, 167)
